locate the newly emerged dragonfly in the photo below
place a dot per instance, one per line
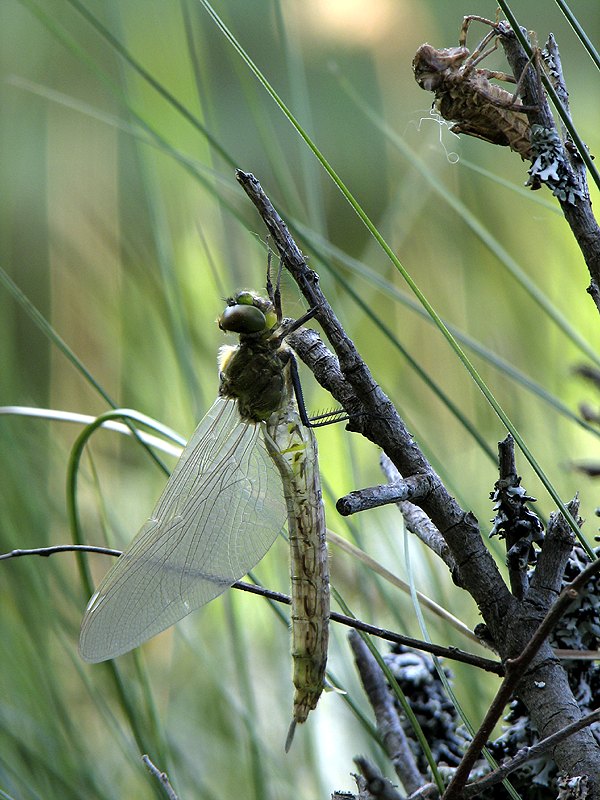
(250, 464)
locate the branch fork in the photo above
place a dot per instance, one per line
(512, 618)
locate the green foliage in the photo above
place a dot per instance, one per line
(124, 227)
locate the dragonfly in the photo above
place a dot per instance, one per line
(251, 463)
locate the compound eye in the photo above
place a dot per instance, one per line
(244, 298)
(242, 319)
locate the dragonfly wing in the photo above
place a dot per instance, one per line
(219, 513)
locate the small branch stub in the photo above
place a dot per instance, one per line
(415, 488)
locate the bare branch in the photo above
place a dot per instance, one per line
(417, 521)
(562, 164)
(386, 715)
(415, 488)
(373, 415)
(547, 579)
(45, 552)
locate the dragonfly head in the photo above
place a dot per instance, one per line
(247, 313)
(432, 67)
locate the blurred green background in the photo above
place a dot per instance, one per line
(121, 222)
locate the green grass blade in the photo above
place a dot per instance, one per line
(579, 31)
(42, 323)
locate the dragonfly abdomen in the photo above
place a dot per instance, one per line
(310, 633)
(293, 447)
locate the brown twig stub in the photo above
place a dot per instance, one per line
(416, 488)
(417, 521)
(558, 545)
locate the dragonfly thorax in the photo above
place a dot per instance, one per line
(253, 372)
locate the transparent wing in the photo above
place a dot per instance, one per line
(219, 513)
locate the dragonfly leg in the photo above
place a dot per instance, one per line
(298, 389)
(290, 325)
(311, 422)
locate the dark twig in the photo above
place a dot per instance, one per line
(546, 581)
(517, 571)
(589, 373)
(382, 633)
(45, 552)
(388, 723)
(373, 415)
(566, 597)
(444, 652)
(528, 753)
(514, 520)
